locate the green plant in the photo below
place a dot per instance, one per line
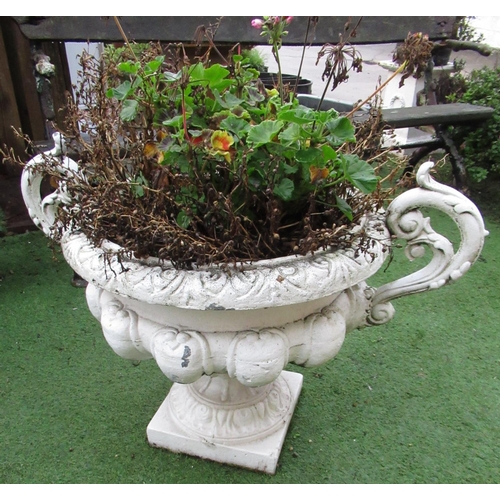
(229, 168)
(274, 28)
(119, 52)
(480, 146)
(466, 32)
(200, 164)
(254, 58)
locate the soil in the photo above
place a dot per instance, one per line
(485, 195)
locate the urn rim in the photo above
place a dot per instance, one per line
(262, 284)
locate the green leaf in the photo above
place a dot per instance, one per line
(137, 184)
(231, 100)
(360, 174)
(152, 66)
(255, 176)
(329, 153)
(344, 207)
(227, 101)
(183, 164)
(121, 92)
(289, 169)
(241, 112)
(215, 74)
(175, 122)
(129, 67)
(196, 73)
(138, 190)
(172, 77)
(310, 156)
(237, 126)
(183, 219)
(254, 96)
(284, 189)
(137, 82)
(198, 121)
(300, 115)
(323, 117)
(264, 132)
(341, 130)
(290, 135)
(129, 110)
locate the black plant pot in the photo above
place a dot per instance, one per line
(441, 56)
(312, 101)
(270, 81)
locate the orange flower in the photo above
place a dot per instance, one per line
(160, 135)
(222, 140)
(150, 150)
(196, 141)
(316, 174)
(199, 138)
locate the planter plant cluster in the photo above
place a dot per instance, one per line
(199, 163)
(226, 230)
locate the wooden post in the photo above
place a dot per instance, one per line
(18, 51)
(9, 115)
(60, 83)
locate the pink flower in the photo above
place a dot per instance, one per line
(257, 23)
(289, 19)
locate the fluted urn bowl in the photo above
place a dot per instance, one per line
(225, 337)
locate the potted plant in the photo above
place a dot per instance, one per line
(226, 230)
(255, 59)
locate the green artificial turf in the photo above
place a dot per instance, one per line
(413, 401)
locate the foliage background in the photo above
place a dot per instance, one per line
(480, 145)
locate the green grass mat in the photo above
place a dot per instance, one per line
(413, 401)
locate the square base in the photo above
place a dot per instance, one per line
(261, 454)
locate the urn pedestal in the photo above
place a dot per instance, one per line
(245, 428)
(225, 338)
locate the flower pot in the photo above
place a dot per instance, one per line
(270, 81)
(441, 56)
(225, 338)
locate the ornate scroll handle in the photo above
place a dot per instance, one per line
(405, 221)
(43, 212)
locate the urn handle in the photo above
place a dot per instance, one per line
(43, 211)
(405, 221)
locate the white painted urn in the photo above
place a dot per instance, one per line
(225, 338)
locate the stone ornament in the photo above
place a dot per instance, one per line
(225, 339)
(228, 342)
(43, 212)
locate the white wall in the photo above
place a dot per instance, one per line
(73, 52)
(489, 26)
